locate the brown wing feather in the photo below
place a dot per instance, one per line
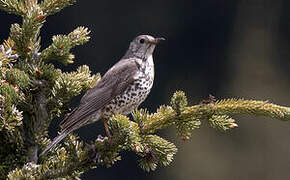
(113, 83)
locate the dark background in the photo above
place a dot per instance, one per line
(226, 48)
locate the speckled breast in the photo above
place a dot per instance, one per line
(132, 97)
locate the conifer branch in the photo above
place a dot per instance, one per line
(26, 37)
(138, 135)
(38, 124)
(50, 7)
(33, 92)
(166, 116)
(13, 6)
(62, 44)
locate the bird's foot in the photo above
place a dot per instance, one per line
(107, 129)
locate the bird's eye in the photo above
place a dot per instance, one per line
(142, 41)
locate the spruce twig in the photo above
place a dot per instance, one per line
(137, 135)
(166, 115)
(13, 7)
(51, 7)
(33, 92)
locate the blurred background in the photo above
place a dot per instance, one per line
(225, 48)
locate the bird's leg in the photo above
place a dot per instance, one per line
(107, 129)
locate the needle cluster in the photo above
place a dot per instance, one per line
(33, 92)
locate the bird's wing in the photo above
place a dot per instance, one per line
(113, 83)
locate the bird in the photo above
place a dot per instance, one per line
(120, 91)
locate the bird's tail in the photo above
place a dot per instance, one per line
(62, 135)
(55, 141)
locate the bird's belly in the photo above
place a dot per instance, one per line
(132, 97)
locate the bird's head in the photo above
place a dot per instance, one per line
(142, 46)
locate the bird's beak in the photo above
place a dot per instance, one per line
(157, 40)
